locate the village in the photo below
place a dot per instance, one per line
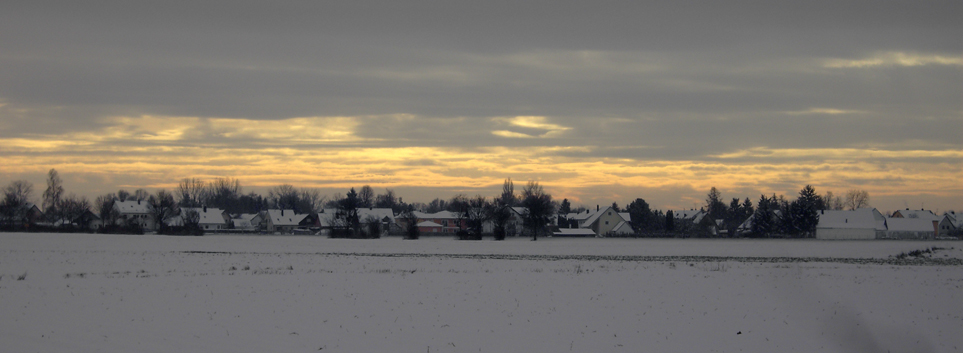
(360, 216)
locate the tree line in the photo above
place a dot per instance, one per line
(772, 215)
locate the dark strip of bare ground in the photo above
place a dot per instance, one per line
(917, 261)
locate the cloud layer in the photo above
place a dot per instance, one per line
(600, 102)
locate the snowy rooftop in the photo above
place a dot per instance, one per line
(429, 224)
(862, 218)
(285, 217)
(376, 213)
(129, 207)
(910, 224)
(209, 215)
(595, 216)
(436, 215)
(921, 214)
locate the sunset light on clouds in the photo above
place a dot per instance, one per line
(598, 102)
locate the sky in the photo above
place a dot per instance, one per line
(597, 101)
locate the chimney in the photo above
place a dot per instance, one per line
(205, 208)
(282, 212)
(138, 201)
(822, 211)
(847, 220)
(596, 208)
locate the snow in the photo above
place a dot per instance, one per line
(89, 293)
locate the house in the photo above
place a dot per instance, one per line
(246, 222)
(89, 220)
(863, 223)
(950, 224)
(385, 216)
(921, 214)
(608, 221)
(284, 221)
(26, 215)
(746, 226)
(450, 222)
(429, 227)
(137, 212)
(691, 215)
(911, 228)
(209, 218)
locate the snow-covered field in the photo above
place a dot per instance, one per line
(110, 293)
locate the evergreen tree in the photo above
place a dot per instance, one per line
(806, 216)
(762, 219)
(565, 207)
(640, 215)
(714, 205)
(669, 221)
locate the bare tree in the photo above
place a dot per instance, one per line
(104, 205)
(388, 200)
(16, 196)
(123, 195)
(223, 193)
(141, 194)
(508, 197)
(53, 194)
(410, 220)
(832, 202)
(311, 200)
(284, 196)
(538, 206)
(856, 199)
(366, 196)
(190, 192)
(163, 207)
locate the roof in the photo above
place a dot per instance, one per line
(436, 215)
(247, 216)
(579, 216)
(128, 207)
(954, 218)
(909, 224)
(520, 210)
(863, 218)
(574, 232)
(921, 214)
(623, 228)
(212, 216)
(747, 224)
(377, 213)
(241, 223)
(626, 217)
(289, 217)
(694, 215)
(429, 224)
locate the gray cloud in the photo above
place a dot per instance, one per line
(622, 79)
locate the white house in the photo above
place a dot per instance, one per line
(135, 212)
(608, 221)
(863, 223)
(694, 216)
(209, 218)
(911, 228)
(282, 220)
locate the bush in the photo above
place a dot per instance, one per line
(125, 229)
(465, 235)
(499, 233)
(348, 233)
(181, 230)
